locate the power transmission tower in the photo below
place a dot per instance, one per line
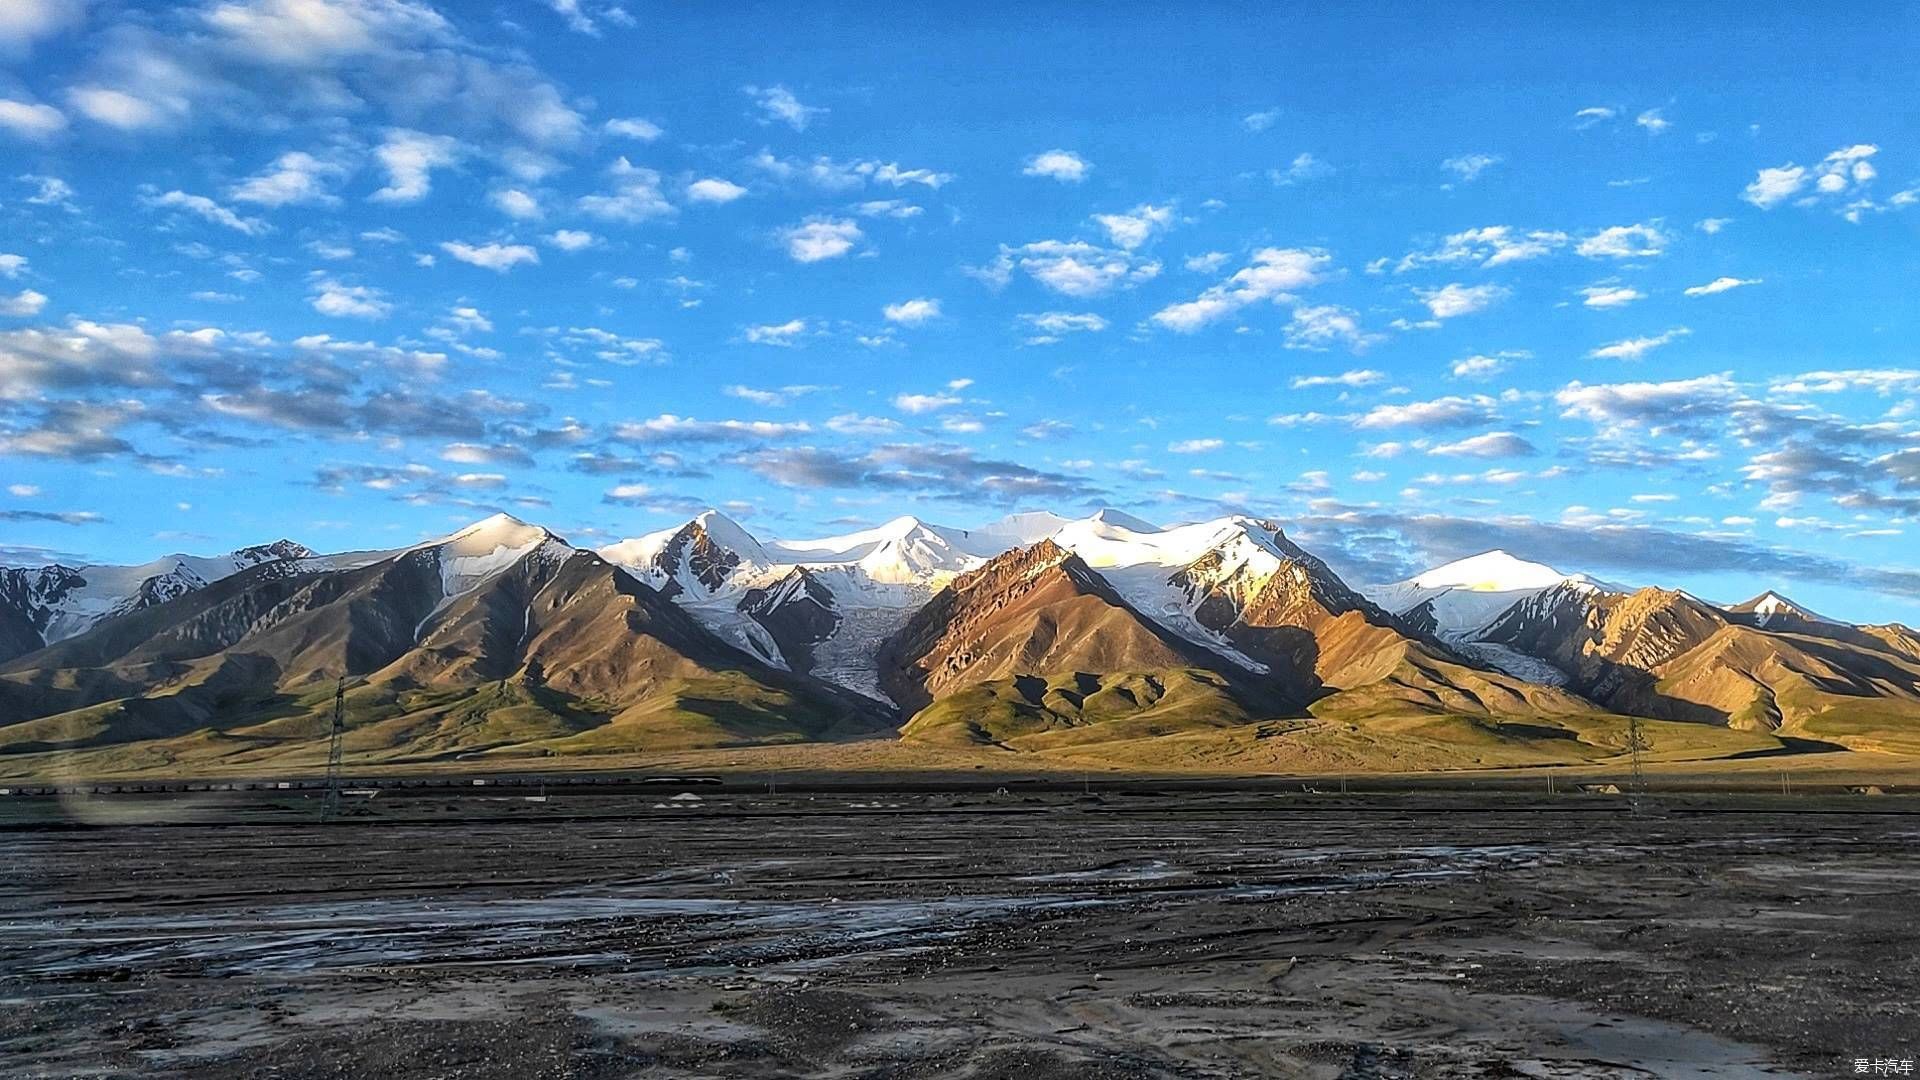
(335, 750)
(1637, 786)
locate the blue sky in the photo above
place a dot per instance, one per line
(1626, 292)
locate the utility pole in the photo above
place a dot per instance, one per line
(335, 750)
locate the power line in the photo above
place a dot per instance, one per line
(335, 750)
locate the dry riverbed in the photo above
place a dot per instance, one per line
(1116, 934)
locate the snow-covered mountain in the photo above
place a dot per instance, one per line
(820, 606)
(1461, 601)
(58, 602)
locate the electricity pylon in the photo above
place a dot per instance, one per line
(335, 750)
(1637, 785)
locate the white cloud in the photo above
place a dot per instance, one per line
(1468, 167)
(572, 239)
(30, 121)
(515, 203)
(776, 398)
(1720, 285)
(1635, 348)
(12, 265)
(23, 491)
(1493, 444)
(1136, 226)
(1304, 167)
(1653, 122)
(912, 312)
(918, 404)
(1712, 225)
(1625, 242)
(1479, 367)
(828, 174)
(1450, 411)
(1489, 245)
(633, 127)
(1051, 326)
(23, 22)
(1350, 379)
(496, 257)
(1207, 262)
(1842, 173)
(778, 105)
(115, 108)
(1593, 114)
(714, 190)
(410, 158)
(1260, 121)
(635, 196)
(1610, 296)
(820, 239)
(898, 209)
(778, 333)
(856, 424)
(686, 428)
(1320, 327)
(349, 301)
(1454, 299)
(1771, 187)
(212, 211)
(1195, 446)
(1070, 267)
(1062, 165)
(1273, 275)
(21, 304)
(295, 178)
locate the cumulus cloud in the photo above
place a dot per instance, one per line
(1195, 446)
(499, 258)
(1644, 240)
(785, 333)
(22, 304)
(1273, 276)
(1468, 167)
(634, 196)
(295, 178)
(778, 105)
(714, 190)
(1488, 246)
(409, 157)
(1454, 300)
(1050, 326)
(819, 239)
(1136, 226)
(330, 297)
(1839, 173)
(1070, 267)
(1321, 327)
(912, 312)
(1444, 412)
(633, 127)
(1062, 165)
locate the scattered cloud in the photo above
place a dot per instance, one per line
(1062, 165)
(1635, 348)
(1720, 285)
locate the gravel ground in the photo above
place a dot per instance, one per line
(1117, 934)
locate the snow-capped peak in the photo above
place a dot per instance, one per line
(1770, 605)
(1491, 571)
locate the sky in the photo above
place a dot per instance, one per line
(1627, 291)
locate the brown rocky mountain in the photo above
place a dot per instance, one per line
(576, 654)
(503, 640)
(1758, 666)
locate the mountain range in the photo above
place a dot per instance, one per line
(1217, 644)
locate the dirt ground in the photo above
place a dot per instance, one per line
(1114, 934)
